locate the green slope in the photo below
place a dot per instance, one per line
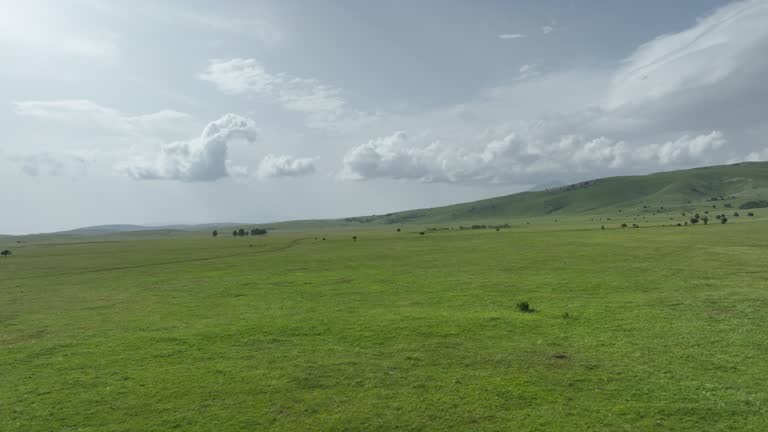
(729, 185)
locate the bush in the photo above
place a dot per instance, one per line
(754, 204)
(524, 306)
(750, 214)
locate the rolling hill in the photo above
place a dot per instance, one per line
(735, 185)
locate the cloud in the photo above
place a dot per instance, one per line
(285, 166)
(45, 27)
(517, 158)
(86, 114)
(734, 35)
(53, 164)
(511, 36)
(547, 29)
(668, 105)
(198, 160)
(322, 103)
(528, 71)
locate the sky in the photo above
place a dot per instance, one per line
(149, 112)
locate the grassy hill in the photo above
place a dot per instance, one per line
(731, 186)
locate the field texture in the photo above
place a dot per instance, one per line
(659, 328)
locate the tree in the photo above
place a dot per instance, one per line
(234, 233)
(354, 238)
(723, 220)
(5, 253)
(241, 232)
(705, 219)
(215, 233)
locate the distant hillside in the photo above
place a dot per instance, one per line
(110, 229)
(735, 185)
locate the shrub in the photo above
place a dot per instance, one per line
(750, 214)
(754, 204)
(566, 315)
(524, 306)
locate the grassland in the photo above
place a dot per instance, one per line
(665, 330)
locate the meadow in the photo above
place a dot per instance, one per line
(657, 328)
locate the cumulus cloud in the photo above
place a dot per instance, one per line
(273, 166)
(508, 36)
(547, 29)
(516, 158)
(200, 159)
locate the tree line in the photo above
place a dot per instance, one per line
(242, 232)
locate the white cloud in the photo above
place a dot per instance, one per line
(528, 71)
(547, 29)
(757, 156)
(86, 114)
(657, 110)
(706, 56)
(518, 158)
(285, 166)
(53, 164)
(35, 25)
(508, 36)
(323, 103)
(200, 159)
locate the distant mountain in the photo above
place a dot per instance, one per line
(111, 229)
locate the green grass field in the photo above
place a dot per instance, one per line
(666, 329)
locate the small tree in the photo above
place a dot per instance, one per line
(705, 219)
(215, 233)
(354, 238)
(241, 232)
(723, 220)
(234, 233)
(5, 253)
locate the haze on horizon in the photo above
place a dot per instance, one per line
(196, 112)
